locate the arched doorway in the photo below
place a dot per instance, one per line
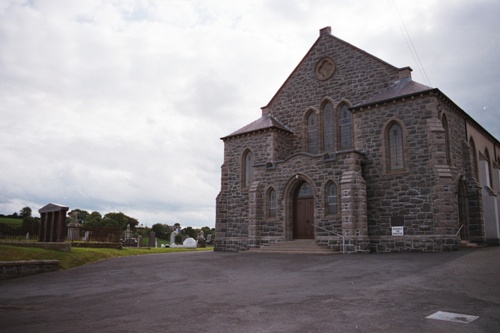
(303, 212)
(463, 221)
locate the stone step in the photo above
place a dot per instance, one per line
(464, 243)
(298, 246)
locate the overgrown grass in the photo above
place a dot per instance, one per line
(79, 256)
(11, 220)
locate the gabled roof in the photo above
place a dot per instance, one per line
(51, 207)
(263, 123)
(400, 88)
(406, 87)
(325, 33)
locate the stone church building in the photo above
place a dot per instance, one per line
(353, 153)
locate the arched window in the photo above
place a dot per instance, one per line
(473, 152)
(312, 133)
(271, 203)
(305, 191)
(395, 147)
(247, 168)
(345, 129)
(331, 198)
(444, 121)
(328, 129)
(487, 170)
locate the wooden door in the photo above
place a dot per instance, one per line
(303, 219)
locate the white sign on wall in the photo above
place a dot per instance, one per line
(398, 231)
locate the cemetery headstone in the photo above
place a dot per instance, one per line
(152, 238)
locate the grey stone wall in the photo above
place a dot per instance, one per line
(14, 269)
(406, 193)
(421, 197)
(358, 75)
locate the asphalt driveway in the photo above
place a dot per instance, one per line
(243, 292)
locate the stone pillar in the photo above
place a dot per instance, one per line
(354, 218)
(444, 197)
(152, 239)
(221, 210)
(254, 216)
(128, 233)
(52, 222)
(474, 198)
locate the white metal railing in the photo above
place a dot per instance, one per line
(334, 233)
(458, 232)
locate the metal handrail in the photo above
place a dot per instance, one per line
(336, 234)
(459, 230)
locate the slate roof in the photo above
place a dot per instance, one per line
(264, 122)
(400, 88)
(52, 207)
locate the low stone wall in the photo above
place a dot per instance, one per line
(14, 269)
(428, 243)
(117, 246)
(230, 246)
(59, 246)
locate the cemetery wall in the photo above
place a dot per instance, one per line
(14, 269)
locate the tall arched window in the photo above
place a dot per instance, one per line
(271, 203)
(395, 147)
(248, 168)
(473, 152)
(328, 129)
(345, 127)
(312, 133)
(444, 121)
(487, 170)
(331, 198)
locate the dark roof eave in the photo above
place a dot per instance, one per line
(442, 95)
(387, 100)
(230, 136)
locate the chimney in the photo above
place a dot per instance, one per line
(405, 72)
(325, 31)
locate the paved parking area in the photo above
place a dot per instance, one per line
(243, 292)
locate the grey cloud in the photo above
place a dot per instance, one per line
(120, 106)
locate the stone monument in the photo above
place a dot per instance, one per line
(175, 232)
(74, 227)
(52, 223)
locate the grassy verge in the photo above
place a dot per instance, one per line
(79, 256)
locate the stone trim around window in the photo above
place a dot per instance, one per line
(247, 164)
(386, 149)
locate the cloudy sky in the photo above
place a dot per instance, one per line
(119, 106)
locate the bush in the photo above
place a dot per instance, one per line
(178, 239)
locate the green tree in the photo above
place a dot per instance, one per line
(207, 231)
(82, 214)
(31, 225)
(119, 219)
(93, 220)
(161, 230)
(25, 212)
(190, 232)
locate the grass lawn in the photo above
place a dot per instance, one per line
(79, 256)
(10, 220)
